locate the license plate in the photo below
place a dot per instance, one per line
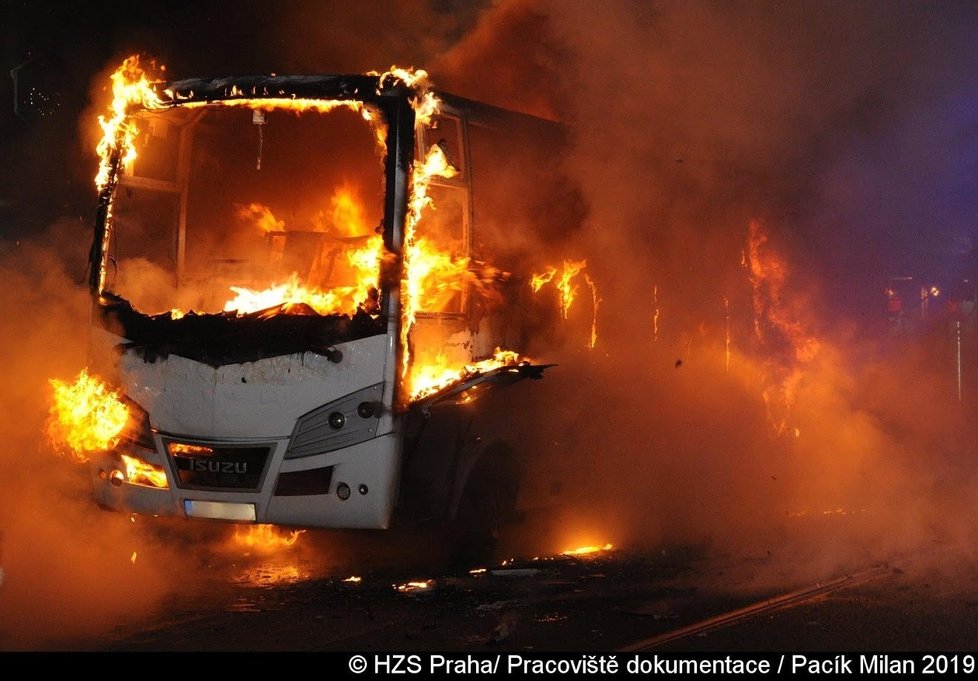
(219, 510)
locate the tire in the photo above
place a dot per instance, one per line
(488, 503)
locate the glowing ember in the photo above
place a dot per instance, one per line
(586, 550)
(132, 558)
(410, 587)
(265, 538)
(86, 416)
(142, 473)
(353, 579)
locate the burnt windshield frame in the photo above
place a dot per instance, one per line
(388, 96)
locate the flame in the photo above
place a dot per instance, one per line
(345, 220)
(431, 275)
(776, 322)
(353, 579)
(86, 416)
(538, 280)
(595, 304)
(421, 262)
(428, 378)
(135, 88)
(655, 312)
(346, 213)
(184, 448)
(586, 550)
(564, 283)
(142, 473)
(261, 217)
(265, 538)
(567, 290)
(425, 103)
(131, 89)
(409, 587)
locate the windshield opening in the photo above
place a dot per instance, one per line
(237, 210)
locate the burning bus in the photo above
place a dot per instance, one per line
(292, 323)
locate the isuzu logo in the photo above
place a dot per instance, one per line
(214, 466)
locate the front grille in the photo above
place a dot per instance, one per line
(219, 467)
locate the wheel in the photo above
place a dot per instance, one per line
(488, 502)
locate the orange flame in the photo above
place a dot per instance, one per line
(587, 550)
(135, 88)
(265, 538)
(431, 275)
(537, 281)
(344, 220)
(430, 377)
(776, 320)
(142, 473)
(131, 89)
(564, 283)
(261, 217)
(86, 416)
(568, 291)
(595, 304)
(655, 312)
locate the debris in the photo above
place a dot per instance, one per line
(500, 633)
(499, 605)
(514, 572)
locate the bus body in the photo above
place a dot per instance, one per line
(306, 411)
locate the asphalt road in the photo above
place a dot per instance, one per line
(925, 599)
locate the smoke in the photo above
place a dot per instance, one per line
(759, 411)
(68, 569)
(846, 132)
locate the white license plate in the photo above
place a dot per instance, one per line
(219, 510)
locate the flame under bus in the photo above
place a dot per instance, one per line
(289, 297)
